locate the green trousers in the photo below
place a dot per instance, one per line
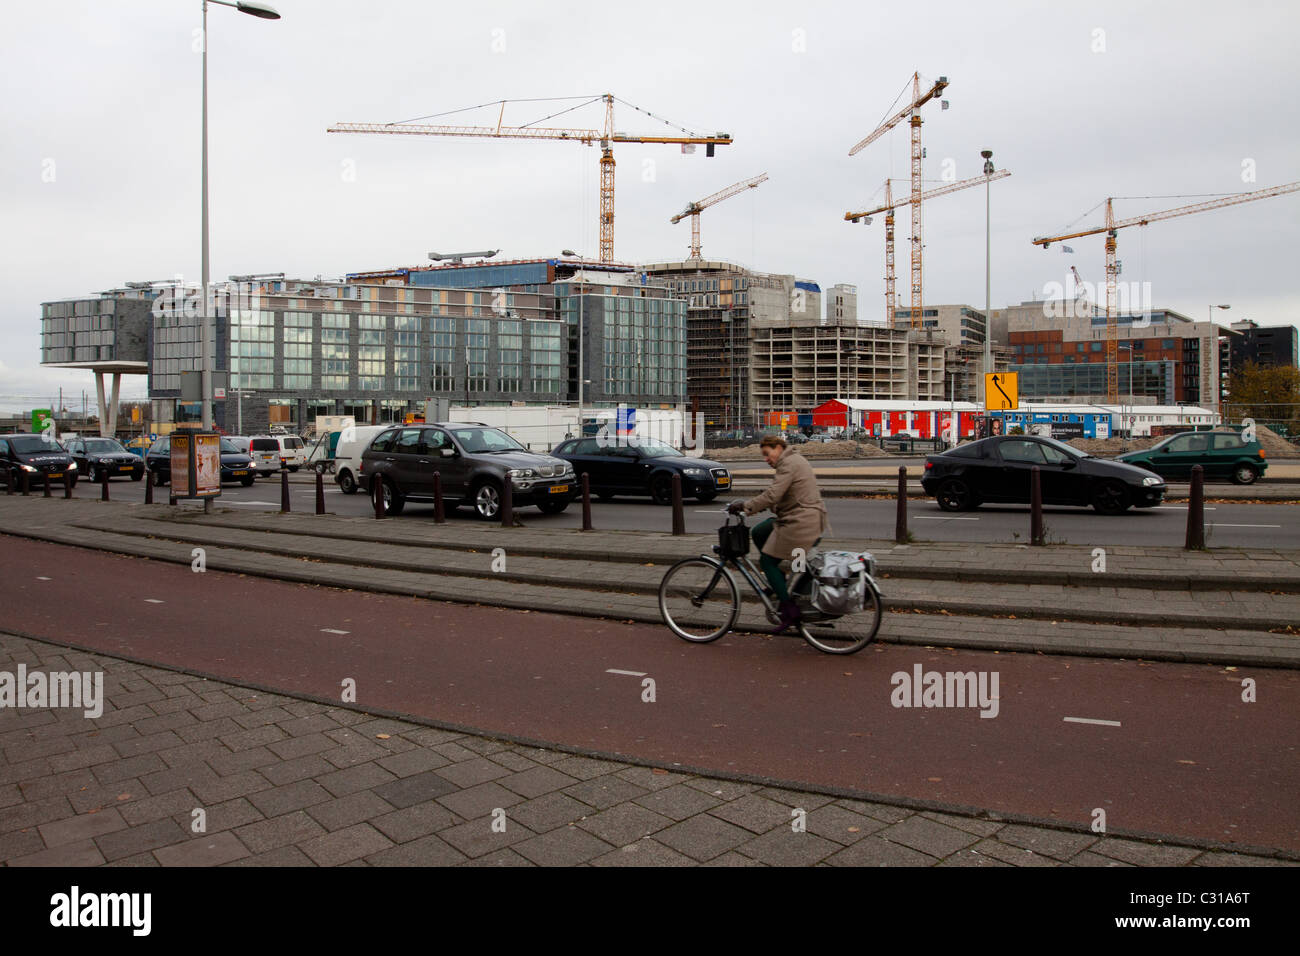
(771, 566)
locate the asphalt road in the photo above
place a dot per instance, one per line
(1162, 748)
(1227, 525)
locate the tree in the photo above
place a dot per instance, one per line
(1266, 393)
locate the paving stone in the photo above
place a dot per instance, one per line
(52, 786)
(366, 776)
(703, 837)
(229, 763)
(307, 724)
(125, 769)
(209, 850)
(147, 836)
(109, 795)
(843, 826)
(410, 823)
(679, 801)
(136, 861)
(549, 811)
(355, 753)
(20, 843)
(207, 729)
(300, 768)
(257, 737)
(293, 796)
(227, 788)
(1144, 854)
(928, 836)
(418, 788)
(733, 859)
(85, 853)
(784, 847)
(453, 751)
(34, 813)
(1014, 855)
(537, 781)
(881, 811)
(283, 856)
(343, 846)
(1058, 844)
(479, 801)
(645, 852)
(469, 773)
(430, 736)
(563, 846)
(425, 851)
(1088, 858)
(168, 721)
(82, 827)
(199, 751)
(302, 746)
(224, 816)
(476, 838)
(410, 762)
(505, 857)
(604, 791)
(982, 828)
(652, 778)
(260, 718)
(754, 813)
(802, 799)
(1222, 858)
(344, 812)
(266, 835)
(971, 857)
(148, 809)
(585, 768)
(512, 760)
(185, 776)
(625, 824)
(873, 851)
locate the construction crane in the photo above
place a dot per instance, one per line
(606, 137)
(888, 209)
(694, 209)
(912, 113)
(1112, 226)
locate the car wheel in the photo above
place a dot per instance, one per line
(247, 482)
(393, 500)
(347, 484)
(320, 467)
(1244, 475)
(293, 467)
(955, 495)
(706, 497)
(136, 476)
(552, 507)
(661, 489)
(1110, 498)
(605, 495)
(487, 500)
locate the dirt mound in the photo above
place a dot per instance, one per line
(1274, 445)
(810, 450)
(1109, 447)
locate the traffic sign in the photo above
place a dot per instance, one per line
(1001, 391)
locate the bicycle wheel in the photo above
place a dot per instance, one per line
(699, 600)
(830, 642)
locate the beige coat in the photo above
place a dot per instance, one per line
(797, 503)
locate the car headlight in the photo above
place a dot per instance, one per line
(695, 472)
(72, 466)
(1152, 481)
(26, 467)
(521, 473)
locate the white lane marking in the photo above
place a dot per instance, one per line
(1221, 524)
(333, 630)
(1090, 720)
(40, 577)
(625, 673)
(1178, 508)
(942, 518)
(153, 601)
(254, 504)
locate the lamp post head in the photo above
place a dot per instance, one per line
(263, 10)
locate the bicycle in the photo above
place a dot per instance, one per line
(699, 601)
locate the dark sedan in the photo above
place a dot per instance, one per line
(997, 470)
(99, 459)
(617, 467)
(235, 464)
(38, 457)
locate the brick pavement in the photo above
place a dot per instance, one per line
(283, 781)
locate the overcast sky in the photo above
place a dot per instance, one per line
(1080, 101)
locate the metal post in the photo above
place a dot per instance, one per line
(1035, 506)
(67, 487)
(900, 522)
(320, 492)
(204, 319)
(439, 514)
(377, 492)
(507, 504)
(45, 485)
(586, 502)
(103, 487)
(148, 486)
(27, 484)
(1196, 512)
(679, 516)
(9, 481)
(284, 490)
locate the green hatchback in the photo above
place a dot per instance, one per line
(1223, 455)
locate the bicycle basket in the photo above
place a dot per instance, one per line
(733, 540)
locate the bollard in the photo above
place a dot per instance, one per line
(377, 493)
(439, 511)
(9, 481)
(586, 502)
(900, 522)
(284, 491)
(679, 516)
(27, 484)
(45, 485)
(103, 488)
(148, 487)
(320, 492)
(67, 489)
(1035, 506)
(1196, 511)
(507, 504)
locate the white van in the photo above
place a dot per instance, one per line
(347, 455)
(270, 453)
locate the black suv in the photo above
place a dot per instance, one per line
(38, 457)
(621, 467)
(473, 460)
(99, 459)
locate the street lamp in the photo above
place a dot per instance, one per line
(1129, 348)
(1210, 310)
(570, 252)
(988, 264)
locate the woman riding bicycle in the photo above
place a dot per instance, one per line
(800, 518)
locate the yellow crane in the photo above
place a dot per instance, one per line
(888, 209)
(606, 137)
(1112, 226)
(911, 113)
(694, 209)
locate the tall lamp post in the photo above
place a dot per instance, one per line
(1129, 348)
(570, 252)
(988, 265)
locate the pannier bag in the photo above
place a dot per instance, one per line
(733, 540)
(839, 581)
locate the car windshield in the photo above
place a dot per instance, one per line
(479, 440)
(228, 447)
(35, 445)
(1067, 449)
(104, 446)
(654, 449)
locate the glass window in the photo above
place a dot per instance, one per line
(1228, 441)
(1026, 451)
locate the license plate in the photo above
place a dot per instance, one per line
(238, 473)
(56, 474)
(724, 481)
(559, 489)
(125, 467)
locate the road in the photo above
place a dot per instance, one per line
(1227, 524)
(1162, 748)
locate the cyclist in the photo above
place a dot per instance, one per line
(800, 518)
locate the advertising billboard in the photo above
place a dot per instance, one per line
(207, 465)
(180, 479)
